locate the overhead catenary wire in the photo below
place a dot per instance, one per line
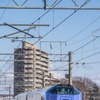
(97, 62)
(15, 2)
(87, 1)
(59, 67)
(4, 10)
(67, 17)
(47, 12)
(86, 63)
(79, 40)
(87, 50)
(10, 58)
(62, 22)
(37, 20)
(54, 3)
(86, 44)
(81, 32)
(83, 29)
(31, 27)
(87, 57)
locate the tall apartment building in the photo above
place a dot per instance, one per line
(30, 68)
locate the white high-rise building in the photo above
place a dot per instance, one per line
(30, 68)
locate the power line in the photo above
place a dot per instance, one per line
(81, 32)
(83, 29)
(85, 44)
(87, 57)
(93, 62)
(11, 56)
(18, 4)
(54, 2)
(63, 21)
(79, 40)
(59, 67)
(87, 50)
(84, 63)
(4, 10)
(47, 12)
(34, 21)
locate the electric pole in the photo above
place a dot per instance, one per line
(70, 68)
(43, 79)
(9, 92)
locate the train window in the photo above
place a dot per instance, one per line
(65, 90)
(62, 90)
(53, 91)
(76, 91)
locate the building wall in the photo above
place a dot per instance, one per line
(31, 72)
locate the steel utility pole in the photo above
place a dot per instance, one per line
(43, 79)
(9, 92)
(70, 68)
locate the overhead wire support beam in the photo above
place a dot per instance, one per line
(59, 70)
(24, 54)
(19, 30)
(29, 60)
(56, 54)
(15, 33)
(58, 60)
(26, 25)
(6, 36)
(19, 37)
(54, 8)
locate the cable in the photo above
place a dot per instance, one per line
(4, 10)
(87, 50)
(59, 68)
(79, 40)
(18, 4)
(75, 3)
(11, 57)
(54, 3)
(93, 62)
(3, 15)
(24, 2)
(85, 44)
(83, 29)
(46, 12)
(62, 21)
(87, 57)
(88, 62)
(37, 32)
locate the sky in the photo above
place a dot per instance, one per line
(71, 30)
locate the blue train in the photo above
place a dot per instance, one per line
(56, 92)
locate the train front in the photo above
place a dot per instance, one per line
(63, 92)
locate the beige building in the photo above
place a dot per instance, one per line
(30, 68)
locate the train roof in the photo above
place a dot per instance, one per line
(63, 86)
(51, 88)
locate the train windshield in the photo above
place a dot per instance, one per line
(64, 90)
